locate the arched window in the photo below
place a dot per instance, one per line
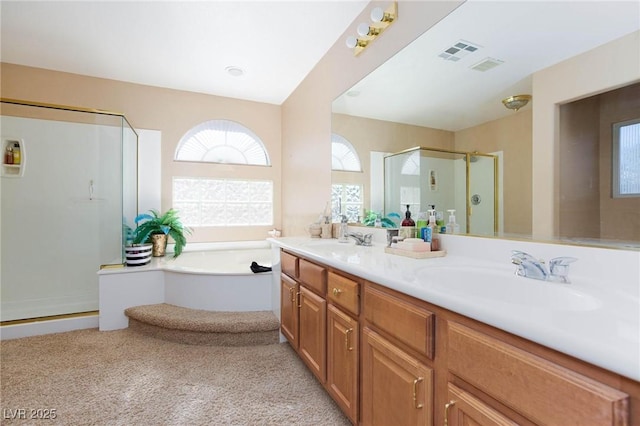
(411, 166)
(222, 141)
(343, 156)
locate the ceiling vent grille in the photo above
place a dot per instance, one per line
(458, 50)
(486, 64)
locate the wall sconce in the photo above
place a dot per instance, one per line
(381, 19)
(516, 102)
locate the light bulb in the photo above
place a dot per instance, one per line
(377, 14)
(352, 42)
(363, 29)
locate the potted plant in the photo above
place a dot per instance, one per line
(156, 228)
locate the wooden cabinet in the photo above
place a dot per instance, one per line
(543, 392)
(397, 389)
(343, 349)
(464, 409)
(387, 358)
(410, 323)
(313, 332)
(289, 309)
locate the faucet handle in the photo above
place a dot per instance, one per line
(522, 256)
(367, 239)
(559, 268)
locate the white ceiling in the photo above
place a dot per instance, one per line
(417, 87)
(177, 44)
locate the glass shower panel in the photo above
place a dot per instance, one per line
(449, 180)
(482, 195)
(61, 219)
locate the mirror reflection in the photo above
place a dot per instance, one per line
(422, 97)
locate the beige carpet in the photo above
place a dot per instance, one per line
(125, 378)
(179, 318)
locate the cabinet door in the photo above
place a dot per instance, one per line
(342, 361)
(289, 309)
(313, 332)
(397, 389)
(463, 409)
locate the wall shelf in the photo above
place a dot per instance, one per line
(12, 170)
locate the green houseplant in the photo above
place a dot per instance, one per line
(155, 228)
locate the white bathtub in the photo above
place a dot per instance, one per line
(213, 277)
(234, 261)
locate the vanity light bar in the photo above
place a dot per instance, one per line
(367, 32)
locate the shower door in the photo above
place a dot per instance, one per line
(62, 216)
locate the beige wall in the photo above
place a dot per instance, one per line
(604, 68)
(511, 135)
(306, 114)
(173, 112)
(587, 207)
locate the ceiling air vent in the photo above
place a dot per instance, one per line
(486, 64)
(458, 50)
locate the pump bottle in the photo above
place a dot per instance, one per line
(452, 226)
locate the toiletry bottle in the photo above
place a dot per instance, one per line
(408, 226)
(407, 218)
(452, 226)
(16, 153)
(8, 155)
(421, 223)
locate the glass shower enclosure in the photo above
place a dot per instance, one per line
(466, 182)
(67, 201)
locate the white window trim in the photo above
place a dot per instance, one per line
(616, 159)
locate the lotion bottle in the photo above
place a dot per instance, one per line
(452, 226)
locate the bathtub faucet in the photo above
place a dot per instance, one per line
(361, 240)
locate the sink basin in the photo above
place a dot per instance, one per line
(506, 288)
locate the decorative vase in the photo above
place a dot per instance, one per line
(138, 254)
(159, 242)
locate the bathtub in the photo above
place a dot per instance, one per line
(213, 277)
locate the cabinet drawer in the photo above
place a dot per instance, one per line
(289, 264)
(411, 324)
(544, 392)
(313, 276)
(344, 292)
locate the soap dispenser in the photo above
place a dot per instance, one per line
(452, 226)
(407, 218)
(408, 226)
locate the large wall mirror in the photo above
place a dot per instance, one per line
(445, 91)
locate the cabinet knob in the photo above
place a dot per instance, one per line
(336, 291)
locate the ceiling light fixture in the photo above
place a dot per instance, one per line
(234, 71)
(381, 19)
(516, 102)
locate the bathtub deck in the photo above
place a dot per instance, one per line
(196, 326)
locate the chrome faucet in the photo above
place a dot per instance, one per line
(361, 240)
(530, 267)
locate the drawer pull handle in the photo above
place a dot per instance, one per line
(292, 295)
(347, 340)
(415, 392)
(299, 301)
(446, 412)
(336, 292)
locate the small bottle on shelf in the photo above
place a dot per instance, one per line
(8, 155)
(16, 153)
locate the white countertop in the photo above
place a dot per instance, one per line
(584, 319)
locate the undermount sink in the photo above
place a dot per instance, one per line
(506, 288)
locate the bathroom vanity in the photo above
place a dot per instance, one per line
(458, 340)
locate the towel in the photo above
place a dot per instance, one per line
(255, 268)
